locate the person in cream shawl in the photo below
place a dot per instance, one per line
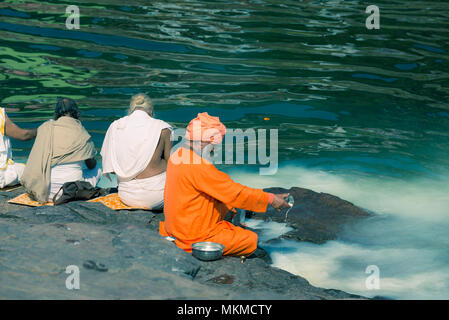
(61, 148)
(136, 149)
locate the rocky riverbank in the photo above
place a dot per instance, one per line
(37, 244)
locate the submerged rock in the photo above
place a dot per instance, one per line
(120, 255)
(315, 217)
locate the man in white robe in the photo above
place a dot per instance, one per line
(136, 148)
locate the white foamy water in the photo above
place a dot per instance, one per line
(407, 239)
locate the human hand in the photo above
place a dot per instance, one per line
(279, 202)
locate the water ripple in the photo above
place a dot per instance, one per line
(243, 61)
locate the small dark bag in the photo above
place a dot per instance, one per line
(78, 190)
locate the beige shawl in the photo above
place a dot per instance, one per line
(57, 142)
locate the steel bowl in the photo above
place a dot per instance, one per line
(207, 251)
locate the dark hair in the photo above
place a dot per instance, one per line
(66, 106)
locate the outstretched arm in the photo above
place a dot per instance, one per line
(15, 132)
(218, 185)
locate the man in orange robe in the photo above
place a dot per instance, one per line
(197, 195)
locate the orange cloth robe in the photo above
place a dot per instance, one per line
(197, 196)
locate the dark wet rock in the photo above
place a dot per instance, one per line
(222, 279)
(255, 275)
(315, 217)
(261, 254)
(120, 255)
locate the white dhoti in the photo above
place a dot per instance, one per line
(146, 193)
(10, 176)
(69, 172)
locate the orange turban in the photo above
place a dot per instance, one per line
(206, 128)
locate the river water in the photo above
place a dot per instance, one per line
(362, 114)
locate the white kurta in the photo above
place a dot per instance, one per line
(127, 149)
(10, 172)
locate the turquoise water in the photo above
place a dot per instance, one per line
(363, 114)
